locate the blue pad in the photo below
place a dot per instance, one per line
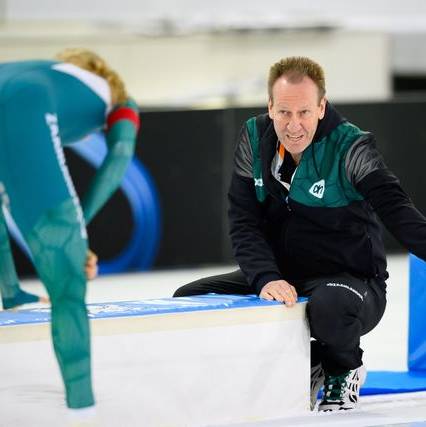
(385, 382)
(417, 315)
(144, 307)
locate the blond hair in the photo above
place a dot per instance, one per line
(295, 68)
(92, 62)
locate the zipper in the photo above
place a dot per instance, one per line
(287, 204)
(285, 240)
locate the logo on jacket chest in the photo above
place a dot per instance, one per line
(318, 189)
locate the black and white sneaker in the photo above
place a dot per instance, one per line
(317, 381)
(341, 392)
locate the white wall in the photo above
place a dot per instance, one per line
(403, 22)
(209, 70)
(379, 15)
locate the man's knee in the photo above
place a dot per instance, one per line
(334, 299)
(333, 310)
(182, 292)
(191, 289)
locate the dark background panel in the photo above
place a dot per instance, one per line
(401, 138)
(183, 152)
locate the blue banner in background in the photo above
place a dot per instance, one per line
(139, 189)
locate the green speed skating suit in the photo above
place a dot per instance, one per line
(45, 105)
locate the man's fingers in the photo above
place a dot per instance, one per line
(278, 295)
(266, 296)
(289, 296)
(281, 291)
(292, 294)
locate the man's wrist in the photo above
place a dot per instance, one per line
(265, 278)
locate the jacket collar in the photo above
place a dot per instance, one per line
(328, 123)
(268, 146)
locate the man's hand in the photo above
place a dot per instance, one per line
(91, 267)
(281, 291)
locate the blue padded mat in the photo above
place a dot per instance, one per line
(143, 307)
(386, 382)
(417, 315)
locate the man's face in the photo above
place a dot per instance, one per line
(295, 111)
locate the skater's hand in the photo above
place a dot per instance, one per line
(91, 267)
(281, 291)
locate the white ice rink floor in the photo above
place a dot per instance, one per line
(385, 349)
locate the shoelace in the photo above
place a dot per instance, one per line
(334, 386)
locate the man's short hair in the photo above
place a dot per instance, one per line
(295, 68)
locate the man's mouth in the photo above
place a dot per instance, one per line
(295, 138)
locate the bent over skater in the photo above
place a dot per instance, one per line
(45, 105)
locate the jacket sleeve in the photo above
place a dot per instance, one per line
(251, 250)
(122, 128)
(379, 186)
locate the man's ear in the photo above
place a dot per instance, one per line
(270, 109)
(322, 105)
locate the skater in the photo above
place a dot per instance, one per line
(44, 106)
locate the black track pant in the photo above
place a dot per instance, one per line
(340, 309)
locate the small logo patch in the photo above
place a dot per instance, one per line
(318, 189)
(341, 285)
(258, 182)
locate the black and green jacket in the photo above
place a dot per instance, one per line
(326, 224)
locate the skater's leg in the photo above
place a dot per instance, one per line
(45, 207)
(11, 293)
(59, 253)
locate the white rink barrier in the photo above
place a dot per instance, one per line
(198, 361)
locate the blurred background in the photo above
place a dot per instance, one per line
(198, 70)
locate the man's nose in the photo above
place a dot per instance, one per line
(294, 124)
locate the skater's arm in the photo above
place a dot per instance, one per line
(122, 128)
